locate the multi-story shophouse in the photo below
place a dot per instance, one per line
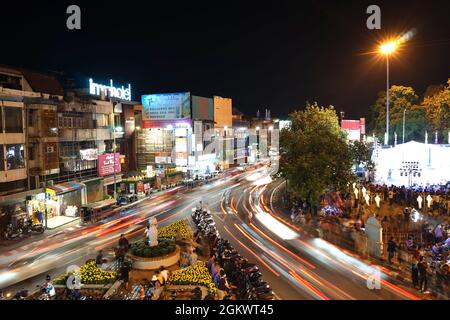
(28, 138)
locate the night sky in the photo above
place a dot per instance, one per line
(273, 55)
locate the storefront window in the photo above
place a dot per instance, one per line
(15, 156)
(13, 119)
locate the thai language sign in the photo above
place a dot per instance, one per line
(166, 106)
(106, 164)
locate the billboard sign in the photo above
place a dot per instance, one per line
(166, 106)
(106, 164)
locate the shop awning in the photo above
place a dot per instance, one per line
(64, 187)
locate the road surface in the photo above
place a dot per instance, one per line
(297, 267)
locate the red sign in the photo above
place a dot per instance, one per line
(106, 164)
(140, 187)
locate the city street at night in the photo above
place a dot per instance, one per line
(208, 159)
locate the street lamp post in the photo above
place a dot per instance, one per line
(387, 49)
(114, 130)
(404, 115)
(257, 143)
(387, 99)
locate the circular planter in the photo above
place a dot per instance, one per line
(154, 263)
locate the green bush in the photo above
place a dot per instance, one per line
(146, 252)
(141, 248)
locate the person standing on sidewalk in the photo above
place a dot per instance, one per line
(392, 246)
(423, 274)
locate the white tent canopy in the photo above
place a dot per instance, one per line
(433, 164)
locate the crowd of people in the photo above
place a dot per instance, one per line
(418, 233)
(409, 197)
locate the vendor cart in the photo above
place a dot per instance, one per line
(93, 212)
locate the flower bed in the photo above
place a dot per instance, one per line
(196, 274)
(142, 249)
(91, 274)
(173, 229)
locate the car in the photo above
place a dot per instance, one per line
(124, 199)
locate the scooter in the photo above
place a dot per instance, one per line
(11, 234)
(262, 295)
(33, 228)
(21, 295)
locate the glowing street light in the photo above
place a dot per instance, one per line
(367, 199)
(388, 47)
(356, 192)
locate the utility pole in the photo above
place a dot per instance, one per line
(404, 115)
(114, 145)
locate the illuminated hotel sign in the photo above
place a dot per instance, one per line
(113, 92)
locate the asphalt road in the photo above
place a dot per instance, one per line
(25, 264)
(297, 267)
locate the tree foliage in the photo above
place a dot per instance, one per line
(315, 156)
(360, 153)
(437, 106)
(432, 113)
(400, 98)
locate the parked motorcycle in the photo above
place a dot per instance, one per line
(29, 227)
(11, 233)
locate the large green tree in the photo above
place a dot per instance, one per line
(401, 98)
(315, 156)
(437, 106)
(361, 155)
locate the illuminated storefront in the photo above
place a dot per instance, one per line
(65, 199)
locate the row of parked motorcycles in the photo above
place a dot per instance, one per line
(244, 275)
